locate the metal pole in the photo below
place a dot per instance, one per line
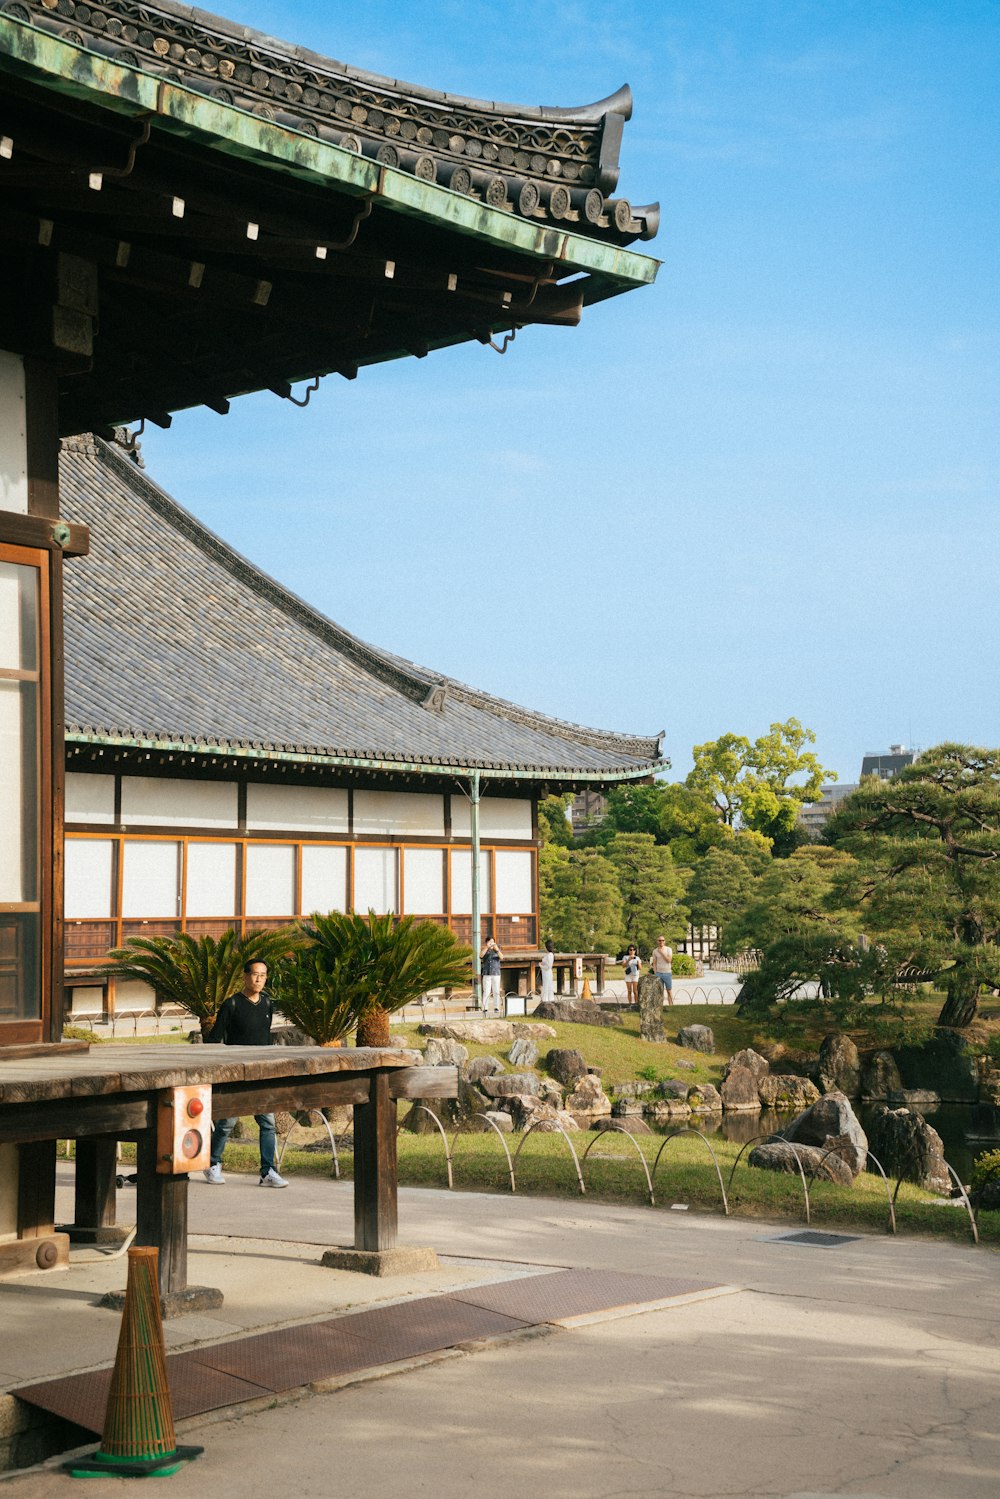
(477, 941)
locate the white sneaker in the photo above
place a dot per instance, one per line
(214, 1176)
(272, 1179)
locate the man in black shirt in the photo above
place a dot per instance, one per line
(245, 1020)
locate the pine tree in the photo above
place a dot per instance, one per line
(652, 890)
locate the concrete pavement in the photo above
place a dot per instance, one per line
(872, 1368)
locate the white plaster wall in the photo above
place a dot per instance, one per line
(8, 1193)
(166, 802)
(296, 809)
(394, 813)
(90, 798)
(499, 817)
(13, 435)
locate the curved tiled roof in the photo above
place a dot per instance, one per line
(174, 640)
(550, 164)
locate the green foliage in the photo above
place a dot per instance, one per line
(554, 825)
(197, 973)
(652, 890)
(317, 996)
(927, 845)
(985, 1168)
(649, 1074)
(581, 908)
(760, 786)
(81, 1033)
(369, 963)
(684, 965)
(993, 1048)
(721, 888)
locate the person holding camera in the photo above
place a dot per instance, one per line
(490, 959)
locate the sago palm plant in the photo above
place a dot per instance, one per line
(197, 974)
(320, 998)
(380, 963)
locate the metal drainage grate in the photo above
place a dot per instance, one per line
(813, 1239)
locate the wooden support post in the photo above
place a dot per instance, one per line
(94, 1205)
(162, 1215)
(36, 1189)
(375, 1168)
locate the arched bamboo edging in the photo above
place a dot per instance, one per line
(756, 1140)
(466, 1126)
(618, 1129)
(421, 1108)
(576, 1160)
(296, 1124)
(686, 1130)
(889, 1197)
(964, 1195)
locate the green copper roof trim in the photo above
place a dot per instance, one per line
(358, 762)
(88, 75)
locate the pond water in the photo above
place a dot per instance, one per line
(966, 1129)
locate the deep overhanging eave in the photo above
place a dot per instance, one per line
(261, 754)
(74, 70)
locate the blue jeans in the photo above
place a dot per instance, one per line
(223, 1128)
(667, 980)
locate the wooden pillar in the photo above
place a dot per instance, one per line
(162, 1214)
(36, 1189)
(94, 1206)
(375, 1175)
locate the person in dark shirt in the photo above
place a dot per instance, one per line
(245, 1020)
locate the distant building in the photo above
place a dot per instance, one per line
(587, 810)
(887, 764)
(814, 815)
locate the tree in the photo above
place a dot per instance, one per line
(376, 964)
(927, 844)
(754, 786)
(581, 907)
(720, 889)
(554, 825)
(651, 888)
(796, 898)
(197, 973)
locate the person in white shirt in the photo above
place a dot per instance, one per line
(633, 967)
(662, 964)
(546, 963)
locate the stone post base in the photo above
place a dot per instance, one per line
(399, 1261)
(174, 1303)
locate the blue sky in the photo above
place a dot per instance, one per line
(765, 486)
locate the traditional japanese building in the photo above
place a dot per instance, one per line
(234, 758)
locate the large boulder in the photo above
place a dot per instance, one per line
(533, 1030)
(786, 1091)
(831, 1124)
(441, 1052)
(636, 1089)
(500, 1119)
(651, 1008)
(740, 1090)
(481, 1067)
(920, 1099)
(696, 1038)
(704, 1098)
(634, 1123)
(549, 1091)
(780, 1155)
(668, 1111)
(674, 1087)
(576, 1011)
(588, 1098)
(880, 1076)
(510, 1083)
(562, 1121)
(907, 1146)
(485, 1032)
(471, 1099)
(839, 1065)
(565, 1064)
(524, 1052)
(944, 1065)
(750, 1060)
(525, 1109)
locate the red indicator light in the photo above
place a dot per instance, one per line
(195, 1107)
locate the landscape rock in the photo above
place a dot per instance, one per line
(419, 1122)
(740, 1090)
(880, 1076)
(524, 1052)
(533, 1030)
(502, 1120)
(562, 1120)
(481, 1067)
(705, 1098)
(673, 1087)
(511, 1083)
(634, 1123)
(471, 1099)
(696, 1038)
(786, 1091)
(914, 1098)
(441, 1052)
(576, 1011)
(524, 1109)
(907, 1146)
(651, 1008)
(750, 1060)
(626, 1108)
(550, 1092)
(281, 1035)
(831, 1124)
(986, 1197)
(486, 1032)
(667, 1111)
(839, 1065)
(944, 1065)
(634, 1090)
(685, 1065)
(565, 1064)
(588, 1098)
(779, 1155)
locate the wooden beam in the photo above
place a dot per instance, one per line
(69, 1118)
(162, 1215)
(424, 1082)
(94, 1187)
(36, 1189)
(375, 1172)
(337, 1091)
